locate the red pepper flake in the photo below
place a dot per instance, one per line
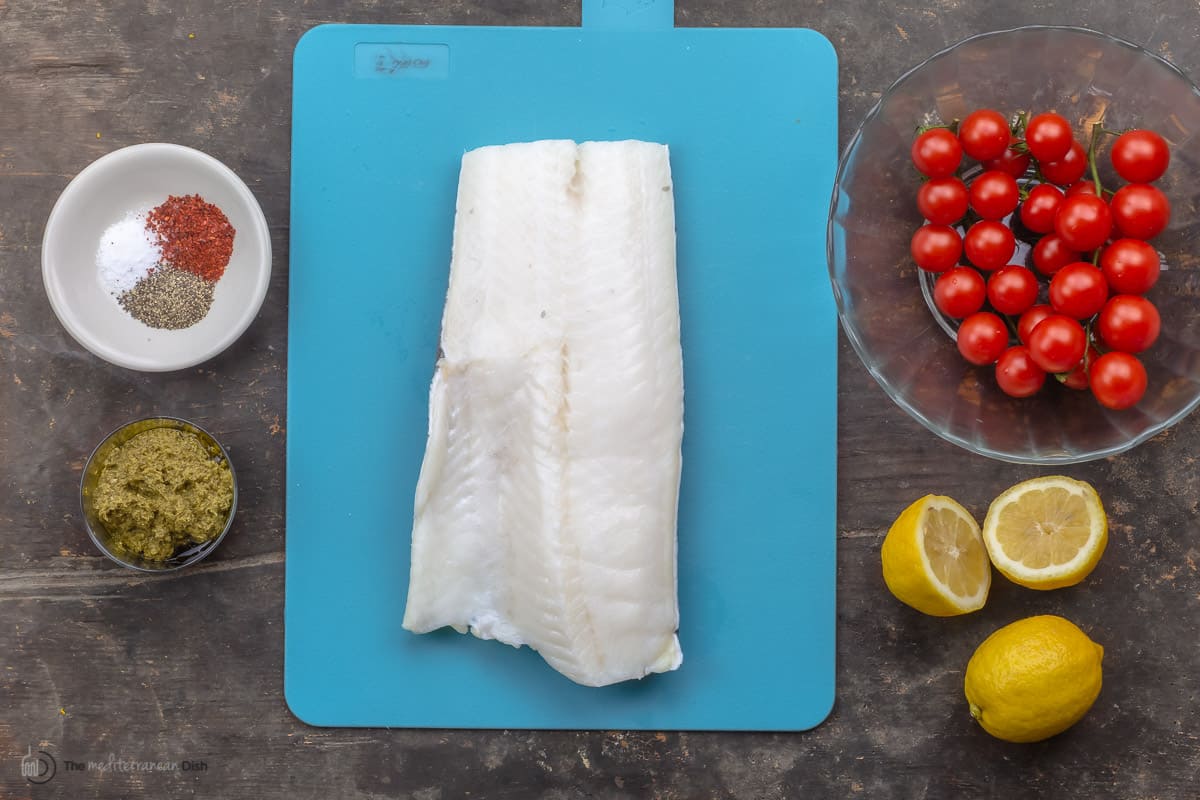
(194, 234)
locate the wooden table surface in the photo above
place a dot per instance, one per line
(96, 661)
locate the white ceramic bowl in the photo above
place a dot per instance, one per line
(139, 178)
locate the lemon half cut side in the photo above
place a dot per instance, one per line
(934, 558)
(1046, 533)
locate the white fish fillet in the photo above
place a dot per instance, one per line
(546, 506)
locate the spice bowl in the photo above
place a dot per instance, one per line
(218, 307)
(90, 493)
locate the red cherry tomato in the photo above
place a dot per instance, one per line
(1014, 162)
(1130, 266)
(1140, 156)
(1012, 290)
(1017, 374)
(984, 134)
(959, 292)
(1078, 290)
(1128, 323)
(1030, 319)
(1078, 377)
(994, 194)
(1067, 169)
(1051, 254)
(1083, 222)
(942, 201)
(1118, 380)
(982, 338)
(936, 247)
(1082, 187)
(1140, 211)
(989, 245)
(1039, 208)
(937, 153)
(1049, 137)
(1057, 344)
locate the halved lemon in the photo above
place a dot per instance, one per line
(1046, 533)
(934, 558)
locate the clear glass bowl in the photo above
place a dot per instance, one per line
(185, 556)
(885, 307)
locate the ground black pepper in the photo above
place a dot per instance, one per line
(169, 299)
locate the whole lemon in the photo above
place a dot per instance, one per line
(1033, 679)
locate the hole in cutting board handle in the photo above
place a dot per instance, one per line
(635, 15)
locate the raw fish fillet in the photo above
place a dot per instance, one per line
(546, 506)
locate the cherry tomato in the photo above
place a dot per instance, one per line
(1140, 211)
(1012, 290)
(937, 153)
(1078, 290)
(1068, 169)
(1130, 266)
(1030, 319)
(994, 194)
(1082, 187)
(1049, 137)
(1051, 254)
(959, 292)
(1140, 156)
(1118, 380)
(942, 201)
(989, 244)
(1039, 208)
(1078, 377)
(936, 247)
(1014, 162)
(1057, 344)
(1128, 323)
(984, 134)
(1083, 222)
(982, 338)
(1017, 374)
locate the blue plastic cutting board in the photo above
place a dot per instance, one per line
(382, 116)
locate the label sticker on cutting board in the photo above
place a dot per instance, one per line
(401, 60)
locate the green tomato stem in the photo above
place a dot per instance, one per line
(1022, 120)
(1091, 156)
(951, 126)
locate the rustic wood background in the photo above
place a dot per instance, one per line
(96, 661)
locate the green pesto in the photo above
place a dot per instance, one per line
(162, 490)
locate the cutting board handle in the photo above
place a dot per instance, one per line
(636, 15)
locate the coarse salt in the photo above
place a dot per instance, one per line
(128, 252)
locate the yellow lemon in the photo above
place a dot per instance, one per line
(934, 559)
(1046, 533)
(1033, 679)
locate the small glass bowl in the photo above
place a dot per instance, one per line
(91, 474)
(887, 311)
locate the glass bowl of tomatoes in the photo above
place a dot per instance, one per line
(1011, 249)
